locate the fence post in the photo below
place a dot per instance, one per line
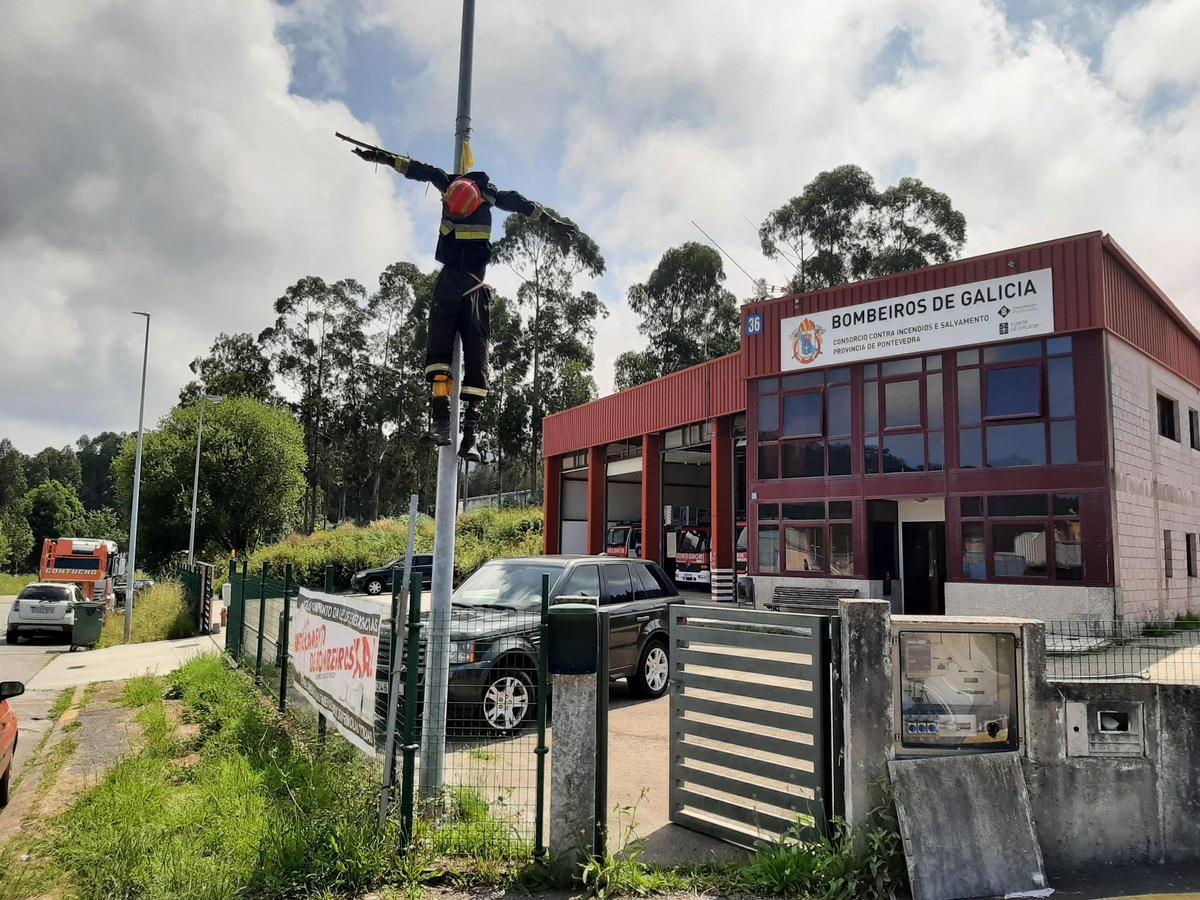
(600, 835)
(262, 621)
(329, 579)
(242, 611)
(321, 725)
(283, 637)
(231, 616)
(411, 680)
(543, 696)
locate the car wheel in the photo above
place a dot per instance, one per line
(508, 699)
(10, 636)
(653, 672)
(375, 586)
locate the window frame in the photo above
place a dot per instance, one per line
(1194, 428)
(1173, 405)
(775, 389)
(1168, 554)
(932, 366)
(1189, 543)
(1046, 521)
(780, 523)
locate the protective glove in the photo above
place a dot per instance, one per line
(375, 156)
(565, 229)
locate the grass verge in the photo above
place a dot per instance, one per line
(12, 584)
(160, 614)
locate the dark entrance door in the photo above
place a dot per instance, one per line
(925, 568)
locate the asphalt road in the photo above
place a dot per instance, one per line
(20, 663)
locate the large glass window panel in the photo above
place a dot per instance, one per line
(1009, 446)
(768, 385)
(1012, 352)
(871, 407)
(804, 459)
(968, 397)
(804, 549)
(802, 414)
(1055, 346)
(904, 453)
(841, 509)
(970, 449)
(768, 548)
(768, 461)
(814, 511)
(1011, 505)
(1019, 551)
(871, 370)
(838, 415)
(933, 401)
(974, 562)
(768, 512)
(933, 363)
(768, 418)
(803, 380)
(1062, 443)
(937, 452)
(902, 404)
(1014, 391)
(1060, 379)
(841, 550)
(1066, 504)
(901, 367)
(837, 376)
(968, 357)
(871, 455)
(968, 507)
(840, 462)
(1068, 551)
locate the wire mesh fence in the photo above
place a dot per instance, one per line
(484, 797)
(1159, 652)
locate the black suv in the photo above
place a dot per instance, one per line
(377, 581)
(494, 630)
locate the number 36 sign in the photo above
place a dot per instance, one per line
(754, 325)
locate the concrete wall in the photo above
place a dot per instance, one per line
(1137, 802)
(1156, 485)
(764, 586)
(1051, 602)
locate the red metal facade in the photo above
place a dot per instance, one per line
(706, 391)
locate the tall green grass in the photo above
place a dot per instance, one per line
(258, 815)
(480, 536)
(12, 584)
(159, 614)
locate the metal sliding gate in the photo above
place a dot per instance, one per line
(756, 732)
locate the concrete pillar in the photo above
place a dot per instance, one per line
(597, 481)
(652, 526)
(868, 714)
(573, 768)
(552, 507)
(721, 560)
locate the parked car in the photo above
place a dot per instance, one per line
(494, 622)
(378, 581)
(8, 736)
(43, 607)
(119, 589)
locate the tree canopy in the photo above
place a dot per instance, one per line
(687, 314)
(841, 228)
(251, 478)
(236, 366)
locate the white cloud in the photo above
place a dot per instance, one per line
(153, 159)
(154, 154)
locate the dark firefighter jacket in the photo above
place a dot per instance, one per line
(465, 242)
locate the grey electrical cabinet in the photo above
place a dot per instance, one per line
(958, 688)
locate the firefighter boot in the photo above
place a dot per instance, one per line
(439, 412)
(466, 447)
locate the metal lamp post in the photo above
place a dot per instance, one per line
(130, 574)
(204, 398)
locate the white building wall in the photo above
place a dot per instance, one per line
(1156, 486)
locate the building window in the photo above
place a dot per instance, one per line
(1016, 405)
(1168, 418)
(804, 425)
(903, 416)
(1168, 563)
(1022, 537)
(1194, 428)
(807, 538)
(1189, 540)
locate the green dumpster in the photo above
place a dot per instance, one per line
(89, 619)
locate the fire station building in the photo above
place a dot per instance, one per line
(1012, 434)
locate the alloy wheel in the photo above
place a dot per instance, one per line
(657, 670)
(506, 702)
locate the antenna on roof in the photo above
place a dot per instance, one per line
(755, 281)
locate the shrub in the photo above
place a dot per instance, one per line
(160, 614)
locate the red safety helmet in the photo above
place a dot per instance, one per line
(462, 197)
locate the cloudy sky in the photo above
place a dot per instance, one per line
(179, 158)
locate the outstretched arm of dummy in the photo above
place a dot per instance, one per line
(511, 201)
(409, 168)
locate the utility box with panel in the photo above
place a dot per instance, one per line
(1105, 728)
(958, 688)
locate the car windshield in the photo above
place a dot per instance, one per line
(508, 584)
(44, 592)
(616, 537)
(693, 542)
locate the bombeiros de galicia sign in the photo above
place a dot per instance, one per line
(982, 312)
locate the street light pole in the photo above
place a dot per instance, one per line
(210, 398)
(131, 571)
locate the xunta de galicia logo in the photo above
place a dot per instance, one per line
(806, 342)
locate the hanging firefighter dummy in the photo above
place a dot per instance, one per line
(461, 298)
